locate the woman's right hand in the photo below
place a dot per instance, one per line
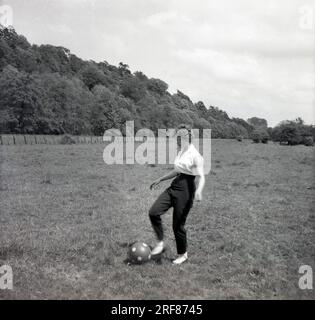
(155, 184)
(169, 175)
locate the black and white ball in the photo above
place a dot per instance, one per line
(139, 252)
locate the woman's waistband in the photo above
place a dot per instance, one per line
(186, 176)
(183, 181)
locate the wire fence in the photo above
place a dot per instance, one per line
(23, 139)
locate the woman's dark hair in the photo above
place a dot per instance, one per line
(186, 127)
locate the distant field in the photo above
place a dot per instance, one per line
(67, 218)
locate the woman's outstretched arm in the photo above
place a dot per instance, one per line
(168, 176)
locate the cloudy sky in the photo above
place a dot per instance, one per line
(250, 58)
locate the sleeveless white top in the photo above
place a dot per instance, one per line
(189, 162)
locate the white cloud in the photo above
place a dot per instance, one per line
(61, 29)
(222, 65)
(164, 19)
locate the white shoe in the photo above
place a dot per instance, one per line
(181, 259)
(158, 249)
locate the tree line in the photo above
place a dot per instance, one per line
(48, 90)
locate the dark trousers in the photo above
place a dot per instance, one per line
(180, 196)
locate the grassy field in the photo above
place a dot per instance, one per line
(67, 219)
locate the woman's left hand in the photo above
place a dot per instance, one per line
(198, 195)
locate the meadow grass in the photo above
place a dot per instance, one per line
(67, 219)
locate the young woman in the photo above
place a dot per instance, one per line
(180, 194)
